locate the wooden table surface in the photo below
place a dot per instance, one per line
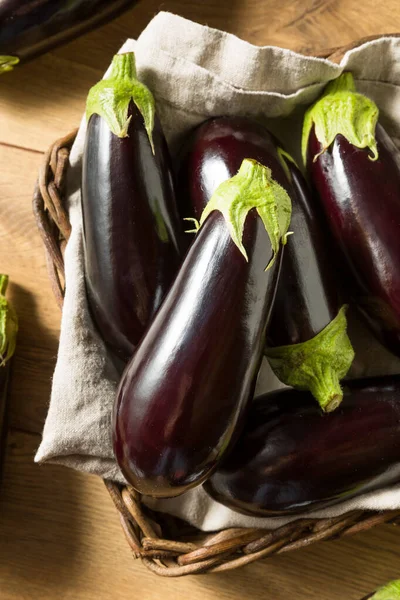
(59, 533)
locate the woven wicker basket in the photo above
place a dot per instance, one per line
(166, 545)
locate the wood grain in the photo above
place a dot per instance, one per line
(59, 534)
(22, 256)
(53, 88)
(60, 538)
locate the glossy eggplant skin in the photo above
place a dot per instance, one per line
(361, 200)
(131, 229)
(31, 27)
(214, 153)
(308, 297)
(291, 458)
(183, 395)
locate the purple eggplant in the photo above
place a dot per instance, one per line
(8, 334)
(308, 302)
(308, 345)
(183, 395)
(291, 458)
(29, 28)
(131, 227)
(308, 297)
(353, 166)
(214, 152)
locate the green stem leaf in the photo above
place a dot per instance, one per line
(110, 98)
(318, 364)
(341, 110)
(3, 284)
(196, 225)
(391, 591)
(8, 324)
(252, 187)
(7, 63)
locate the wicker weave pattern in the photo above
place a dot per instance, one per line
(168, 546)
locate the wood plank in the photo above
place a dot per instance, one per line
(314, 24)
(60, 538)
(45, 99)
(22, 258)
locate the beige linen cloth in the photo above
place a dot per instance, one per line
(195, 73)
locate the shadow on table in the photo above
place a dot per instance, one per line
(33, 363)
(39, 524)
(39, 532)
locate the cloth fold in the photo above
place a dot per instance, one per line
(196, 72)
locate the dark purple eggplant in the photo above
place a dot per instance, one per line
(184, 392)
(353, 166)
(29, 28)
(308, 301)
(131, 227)
(291, 458)
(308, 345)
(214, 152)
(8, 334)
(308, 297)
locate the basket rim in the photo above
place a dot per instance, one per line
(189, 553)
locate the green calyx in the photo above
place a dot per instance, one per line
(110, 98)
(391, 591)
(252, 187)
(318, 364)
(7, 63)
(8, 324)
(342, 110)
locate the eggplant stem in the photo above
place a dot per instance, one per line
(252, 187)
(3, 284)
(390, 591)
(8, 324)
(7, 63)
(334, 403)
(110, 98)
(318, 364)
(341, 110)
